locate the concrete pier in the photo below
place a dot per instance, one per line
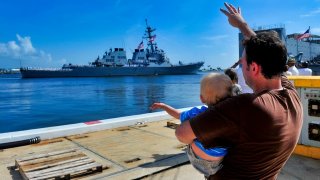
(143, 149)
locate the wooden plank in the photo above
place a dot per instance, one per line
(173, 124)
(45, 160)
(71, 172)
(47, 154)
(57, 164)
(65, 163)
(23, 162)
(59, 168)
(23, 174)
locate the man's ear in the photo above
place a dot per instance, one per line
(255, 68)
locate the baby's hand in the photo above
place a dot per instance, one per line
(155, 106)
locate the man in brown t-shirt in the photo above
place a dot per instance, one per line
(260, 129)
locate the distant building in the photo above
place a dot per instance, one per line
(310, 47)
(9, 71)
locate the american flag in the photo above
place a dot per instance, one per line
(153, 38)
(140, 46)
(304, 35)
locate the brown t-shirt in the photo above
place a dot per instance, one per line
(260, 129)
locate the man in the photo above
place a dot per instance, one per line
(292, 67)
(262, 128)
(304, 70)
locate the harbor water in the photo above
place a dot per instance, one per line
(45, 102)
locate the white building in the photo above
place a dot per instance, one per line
(310, 47)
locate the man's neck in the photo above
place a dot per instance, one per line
(268, 84)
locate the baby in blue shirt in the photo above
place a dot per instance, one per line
(214, 87)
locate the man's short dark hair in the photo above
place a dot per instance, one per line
(267, 50)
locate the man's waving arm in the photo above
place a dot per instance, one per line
(236, 20)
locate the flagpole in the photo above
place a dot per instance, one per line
(297, 46)
(310, 43)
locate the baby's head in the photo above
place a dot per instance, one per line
(214, 87)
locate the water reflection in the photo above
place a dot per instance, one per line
(145, 96)
(36, 103)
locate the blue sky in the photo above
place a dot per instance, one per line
(49, 33)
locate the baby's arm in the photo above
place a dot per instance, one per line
(170, 110)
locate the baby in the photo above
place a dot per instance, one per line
(214, 88)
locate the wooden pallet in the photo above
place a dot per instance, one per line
(64, 164)
(173, 124)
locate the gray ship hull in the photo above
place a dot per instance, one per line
(92, 71)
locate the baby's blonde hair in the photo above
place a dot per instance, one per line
(214, 87)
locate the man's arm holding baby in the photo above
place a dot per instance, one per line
(184, 133)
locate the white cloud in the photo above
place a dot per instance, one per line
(23, 49)
(13, 49)
(13, 46)
(311, 13)
(26, 44)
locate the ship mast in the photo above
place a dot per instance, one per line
(150, 37)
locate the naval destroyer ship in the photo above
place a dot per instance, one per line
(145, 61)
